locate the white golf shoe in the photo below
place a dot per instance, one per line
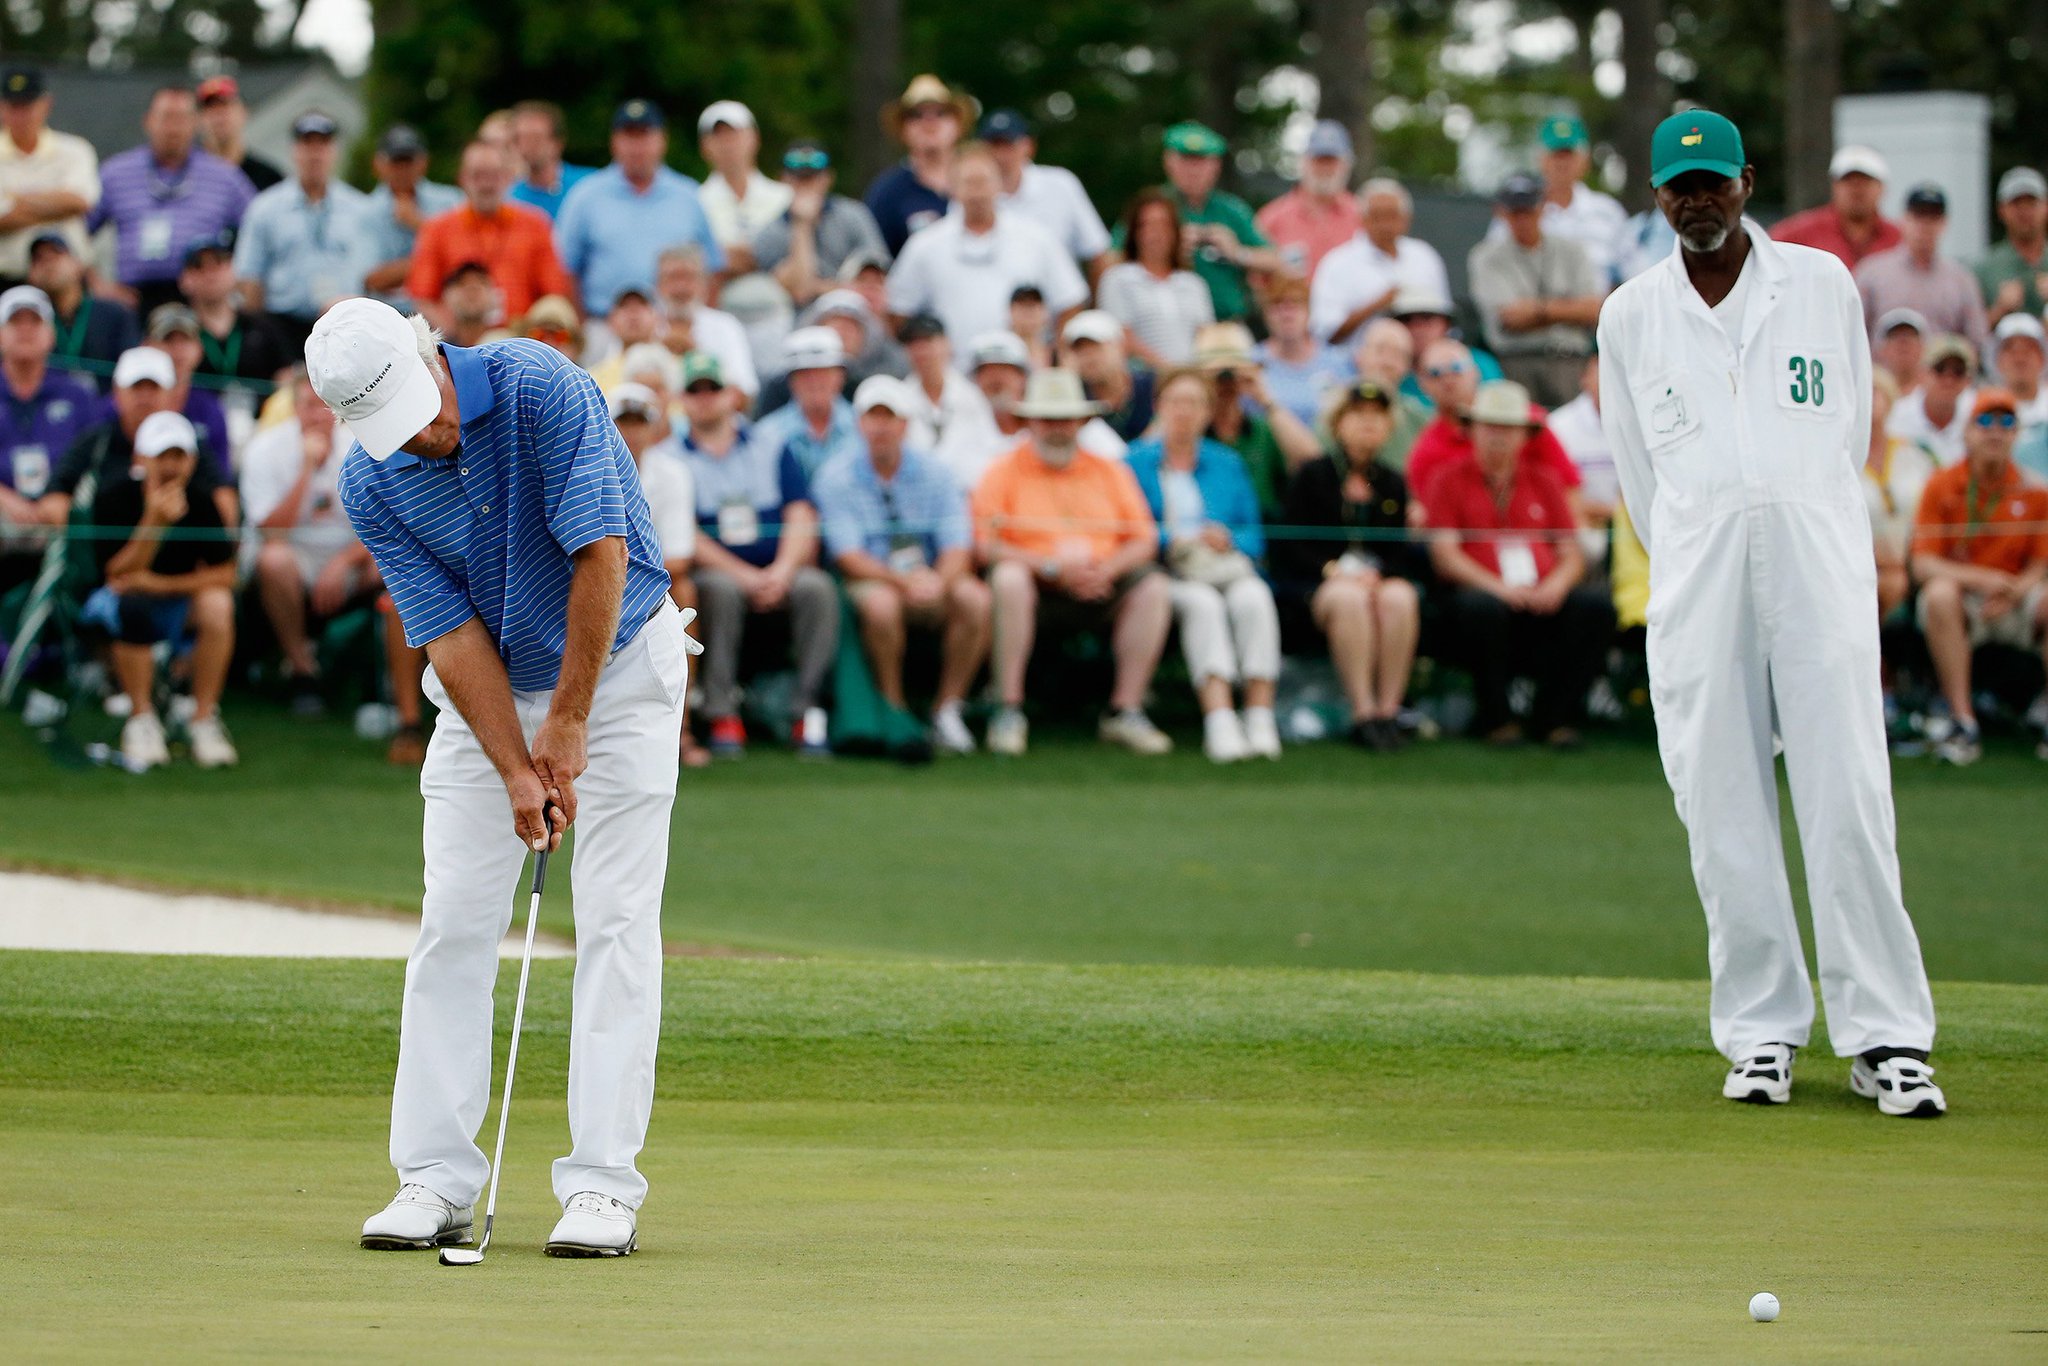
(594, 1225)
(1134, 731)
(1901, 1086)
(1762, 1078)
(142, 741)
(1009, 734)
(1223, 737)
(211, 747)
(418, 1220)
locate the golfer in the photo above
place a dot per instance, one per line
(1736, 380)
(505, 516)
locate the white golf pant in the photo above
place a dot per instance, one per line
(473, 866)
(1228, 633)
(1766, 615)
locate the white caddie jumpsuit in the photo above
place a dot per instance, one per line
(1739, 461)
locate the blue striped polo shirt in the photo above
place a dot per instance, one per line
(488, 532)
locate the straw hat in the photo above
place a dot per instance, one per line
(927, 89)
(1501, 403)
(1055, 394)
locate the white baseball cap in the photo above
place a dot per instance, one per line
(1092, 324)
(651, 358)
(724, 111)
(2019, 324)
(634, 398)
(162, 432)
(812, 348)
(1856, 159)
(364, 361)
(882, 391)
(139, 364)
(1904, 317)
(1001, 347)
(29, 299)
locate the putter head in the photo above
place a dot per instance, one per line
(462, 1256)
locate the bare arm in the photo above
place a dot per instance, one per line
(1458, 568)
(30, 207)
(597, 585)
(466, 661)
(390, 275)
(1974, 578)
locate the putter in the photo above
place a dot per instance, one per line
(466, 1256)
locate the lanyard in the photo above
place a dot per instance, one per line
(222, 357)
(71, 338)
(1980, 515)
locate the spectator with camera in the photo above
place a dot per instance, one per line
(1211, 540)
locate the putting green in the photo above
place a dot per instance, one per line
(860, 1161)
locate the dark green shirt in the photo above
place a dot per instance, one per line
(2003, 263)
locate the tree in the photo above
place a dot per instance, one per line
(164, 33)
(877, 78)
(1341, 59)
(1646, 94)
(1813, 81)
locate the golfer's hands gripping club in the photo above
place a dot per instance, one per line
(537, 817)
(558, 758)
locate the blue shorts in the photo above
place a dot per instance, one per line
(136, 618)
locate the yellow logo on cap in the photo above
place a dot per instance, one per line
(1694, 138)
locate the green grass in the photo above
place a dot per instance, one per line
(886, 1160)
(1448, 858)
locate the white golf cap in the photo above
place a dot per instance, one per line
(1856, 159)
(139, 364)
(2019, 324)
(26, 299)
(2020, 182)
(1001, 347)
(364, 361)
(1092, 324)
(812, 348)
(634, 398)
(651, 360)
(724, 111)
(1904, 317)
(882, 391)
(162, 432)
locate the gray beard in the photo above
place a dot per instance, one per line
(1702, 245)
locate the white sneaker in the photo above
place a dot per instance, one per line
(1900, 1086)
(417, 1219)
(142, 741)
(1961, 746)
(211, 747)
(949, 731)
(1762, 1078)
(1262, 732)
(1223, 738)
(594, 1225)
(1009, 734)
(1135, 732)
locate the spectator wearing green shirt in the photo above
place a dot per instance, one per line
(1222, 241)
(1272, 442)
(2014, 272)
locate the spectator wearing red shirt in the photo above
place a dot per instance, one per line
(1318, 214)
(513, 242)
(1849, 224)
(1450, 377)
(1506, 542)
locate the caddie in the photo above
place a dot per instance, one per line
(506, 518)
(1736, 389)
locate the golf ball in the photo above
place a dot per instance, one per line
(1763, 1306)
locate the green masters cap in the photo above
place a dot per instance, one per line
(1697, 140)
(699, 366)
(1192, 139)
(1564, 134)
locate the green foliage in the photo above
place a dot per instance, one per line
(157, 33)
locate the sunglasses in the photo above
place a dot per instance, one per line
(2003, 420)
(1446, 371)
(931, 111)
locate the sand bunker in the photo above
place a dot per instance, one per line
(38, 911)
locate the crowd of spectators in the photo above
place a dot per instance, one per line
(964, 405)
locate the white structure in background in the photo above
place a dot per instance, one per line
(1937, 136)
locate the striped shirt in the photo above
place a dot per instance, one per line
(157, 213)
(920, 507)
(489, 531)
(306, 253)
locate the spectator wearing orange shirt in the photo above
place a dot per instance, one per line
(1980, 551)
(1071, 542)
(1505, 541)
(512, 241)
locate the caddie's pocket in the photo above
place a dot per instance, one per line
(1667, 411)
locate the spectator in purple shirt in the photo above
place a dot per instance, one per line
(162, 195)
(41, 412)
